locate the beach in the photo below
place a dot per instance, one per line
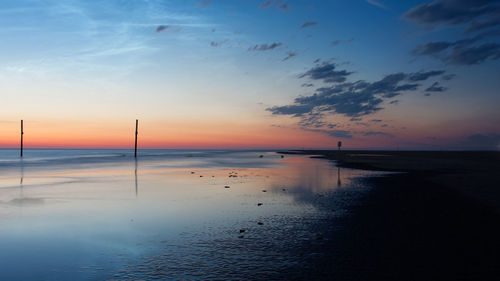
(436, 219)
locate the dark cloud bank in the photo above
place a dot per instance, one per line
(352, 99)
(475, 16)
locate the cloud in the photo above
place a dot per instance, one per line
(307, 85)
(436, 88)
(217, 44)
(448, 77)
(462, 52)
(453, 12)
(424, 75)
(160, 28)
(204, 4)
(312, 120)
(334, 133)
(285, 7)
(376, 133)
(294, 109)
(351, 99)
(335, 42)
(289, 55)
(475, 26)
(265, 47)
(482, 141)
(164, 28)
(327, 73)
(376, 120)
(376, 3)
(265, 4)
(308, 24)
(475, 16)
(431, 48)
(474, 55)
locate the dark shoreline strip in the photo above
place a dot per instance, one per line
(410, 226)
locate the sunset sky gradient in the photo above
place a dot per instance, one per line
(251, 74)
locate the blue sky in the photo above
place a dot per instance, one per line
(191, 64)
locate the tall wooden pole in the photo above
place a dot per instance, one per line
(22, 133)
(136, 127)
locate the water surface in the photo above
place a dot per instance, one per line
(169, 214)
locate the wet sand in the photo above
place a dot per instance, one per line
(439, 220)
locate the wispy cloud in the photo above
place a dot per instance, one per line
(435, 87)
(289, 55)
(377, 4)
(160, 28)
(474, 16)
(90, 38)
(308, 24)
(265, 47)
(265, 4)
(335, 42)
(377, 133)
(204, 4)
(284, 7)
(343, 134)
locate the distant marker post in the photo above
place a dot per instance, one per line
(339, 144)
(136, 127)
(22, 133)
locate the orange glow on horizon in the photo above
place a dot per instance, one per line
(189, 134)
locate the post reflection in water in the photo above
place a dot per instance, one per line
(21, 178)
(135, 174)
(338, 177)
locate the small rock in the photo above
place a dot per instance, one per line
(226, 186)
(282, 156)
(261, 156)
(242, 230)
(259, 204)
(284, 189)
(241, 236)
(260, 223)
(192, 172)
(201, 176)
(264, 190)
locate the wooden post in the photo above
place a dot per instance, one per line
(22, 133)
(136, 127)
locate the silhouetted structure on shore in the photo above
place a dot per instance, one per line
(22, 133)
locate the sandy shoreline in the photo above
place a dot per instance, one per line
(437, 221)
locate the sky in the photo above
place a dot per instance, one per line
(376, 74)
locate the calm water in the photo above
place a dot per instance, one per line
(101, 215)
